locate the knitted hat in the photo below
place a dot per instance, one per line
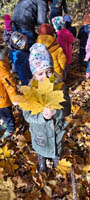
(67, 18)
(86, 19)
(39, 58)
(46, 29)
(7, 22)
(58, 23)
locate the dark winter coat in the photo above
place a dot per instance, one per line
(57, 11)
(29, 13)
(83, 36)
(47, 134)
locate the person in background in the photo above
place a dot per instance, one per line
(83, 36)
(87, 57)
(68, 25)
(19, 55)
(46, 128)
(65, 39)
(56, 8)
(27, 15)
(8, 91)
(7, 28)
(46, 36)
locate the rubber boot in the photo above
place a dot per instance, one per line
(55, 161)
(41, 163)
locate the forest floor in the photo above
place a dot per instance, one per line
(19, 177)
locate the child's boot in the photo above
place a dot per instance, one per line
(55, 161)
(41, 163)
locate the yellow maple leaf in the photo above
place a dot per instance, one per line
(64, 167)
(36, 98)
(5, 152)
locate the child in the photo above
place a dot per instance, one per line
(83, 36)
(56, 8)
(68, 25)
(7, 92)
(8, 28)
(87, 57)
(65, 39)
(19, 55)
(47, 128)
(46, 36)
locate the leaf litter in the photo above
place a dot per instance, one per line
(19, 177)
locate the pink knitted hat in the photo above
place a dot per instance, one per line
(7, 22)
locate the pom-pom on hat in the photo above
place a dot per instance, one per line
(39, 58)
(46, 29)
(58, 23)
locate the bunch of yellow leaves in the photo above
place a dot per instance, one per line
(40, 95)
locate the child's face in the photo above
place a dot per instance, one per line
(40, 75)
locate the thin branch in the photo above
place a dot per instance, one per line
(73, 184)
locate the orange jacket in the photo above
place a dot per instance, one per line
(7, 86)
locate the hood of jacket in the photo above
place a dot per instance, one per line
(49, 41)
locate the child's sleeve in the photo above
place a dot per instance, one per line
(42, 7)
(66, 110)
(33, 118)
(8, 81)
(61, 59)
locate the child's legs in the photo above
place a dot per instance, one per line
(65, 72)
(81, 56)
(8, 118)
(41, 163)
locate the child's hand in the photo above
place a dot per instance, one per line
(48, 113)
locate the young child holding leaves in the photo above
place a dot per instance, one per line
(47, 128)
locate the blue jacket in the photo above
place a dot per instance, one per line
(20, 59)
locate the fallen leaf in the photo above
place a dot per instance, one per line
(64, 167)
